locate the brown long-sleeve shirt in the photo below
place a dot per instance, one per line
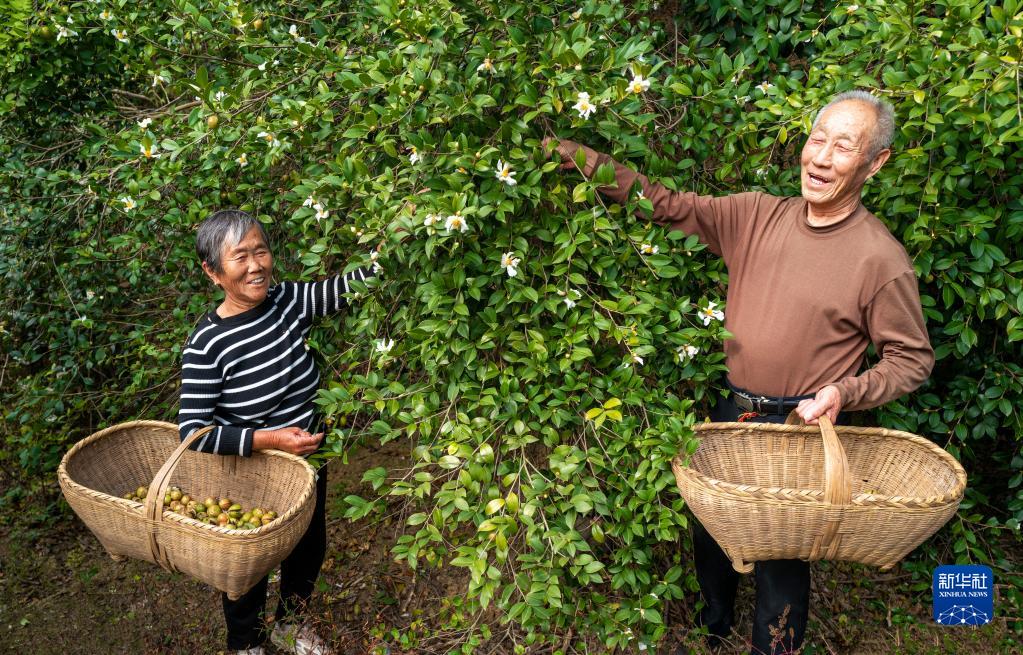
(803, 302)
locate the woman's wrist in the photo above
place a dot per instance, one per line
(264, 440)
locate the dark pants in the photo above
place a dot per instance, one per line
(780, 584)
(244, 617)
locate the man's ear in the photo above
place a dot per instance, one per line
(211, 274)
(879, 161)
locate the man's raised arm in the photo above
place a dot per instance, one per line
(712, 219)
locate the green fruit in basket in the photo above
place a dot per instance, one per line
(223, 518)
(269, 514)
(225, 503)
(257, 513)
(246, 517)
(250, 526)
(209, 502)
(175, 494)
(200, 507)
(142, 491)
(167, 499)
(201, 516)
(129, 496)
(186, 499)
(214, 510)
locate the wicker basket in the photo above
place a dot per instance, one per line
(767, 491)
(100, 468)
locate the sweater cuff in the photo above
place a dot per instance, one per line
(245, 442)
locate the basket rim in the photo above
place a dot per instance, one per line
(69, 484)
(714, 485)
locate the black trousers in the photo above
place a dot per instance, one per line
(244, 617)
(782, 586)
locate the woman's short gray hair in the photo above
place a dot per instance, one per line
(221, 229)
(884, 128)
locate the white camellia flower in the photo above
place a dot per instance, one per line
(431, 219)
(486, 67)
(584, 106)
(128, 202)
(567, 297)
(576, 14)
(219, 95)
(639, 84)
(385, 346)
(321, 211)
(639, 195)
(309, 202)
(105, 15)
(505, 173)
(413, 157)
(455, 222)
(685, 353)
(765, 86)
(852, 9)
(145, 122)
(293, 31)
(148, 150)
(120, 35)
(90, 294)
(270, 139)
(510, 263)
(709, 314)
(374, 256)
(160, 78)
(637, 359)
(648, 249)
(242, 160)
(65, 33)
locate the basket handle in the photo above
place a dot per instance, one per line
(837, 489)
(153, 506)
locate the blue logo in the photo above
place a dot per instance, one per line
(963, 595)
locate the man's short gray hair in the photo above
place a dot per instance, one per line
(884, 128)
(221, 229)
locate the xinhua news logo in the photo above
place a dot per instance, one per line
(963, 595)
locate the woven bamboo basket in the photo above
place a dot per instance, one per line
(767, 491)
(100, 468)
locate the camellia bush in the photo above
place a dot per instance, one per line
(544, 352)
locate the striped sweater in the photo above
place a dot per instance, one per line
(253, 371)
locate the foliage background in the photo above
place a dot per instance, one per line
(539, 444)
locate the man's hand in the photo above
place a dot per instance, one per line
(291, 439)
(553, 144)
(828, 401)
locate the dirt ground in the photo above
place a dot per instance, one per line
(60, 593)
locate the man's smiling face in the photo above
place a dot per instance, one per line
(837, 158)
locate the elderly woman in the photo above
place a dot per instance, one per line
(247, 370)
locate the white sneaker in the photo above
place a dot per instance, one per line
(255, 650)
(299, 639)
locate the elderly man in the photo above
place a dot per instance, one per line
(812, 282)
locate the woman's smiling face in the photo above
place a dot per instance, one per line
(245, 275)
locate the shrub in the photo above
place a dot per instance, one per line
(542, 408)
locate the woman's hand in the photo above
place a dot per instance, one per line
(291, 439)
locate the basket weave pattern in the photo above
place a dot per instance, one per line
(99, 469)
(766, 491)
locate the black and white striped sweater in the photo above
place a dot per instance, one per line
(253, 371)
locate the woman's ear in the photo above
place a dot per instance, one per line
(211, 274)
